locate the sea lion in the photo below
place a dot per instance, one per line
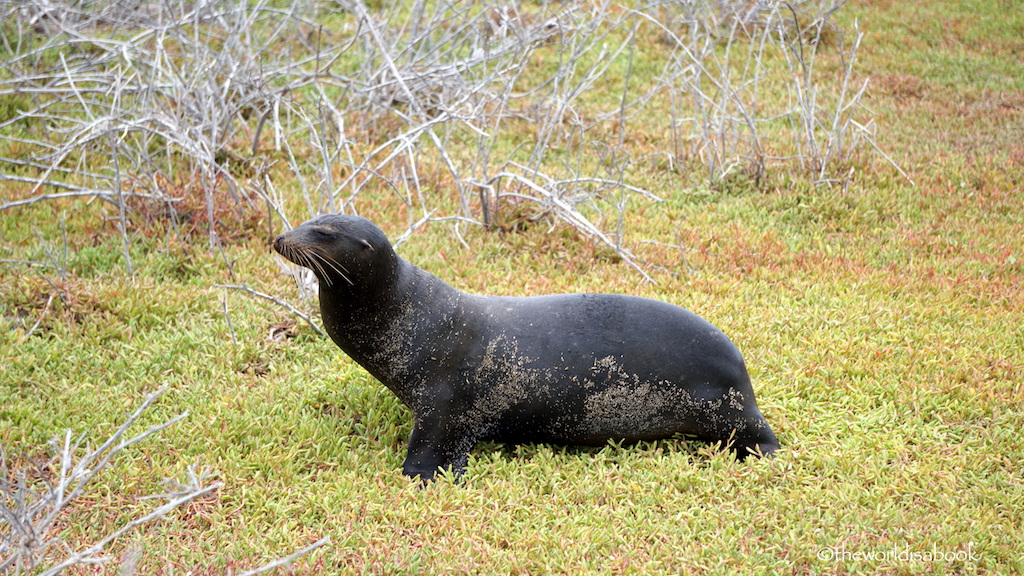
(577, 369)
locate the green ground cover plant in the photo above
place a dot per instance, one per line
(838, 186)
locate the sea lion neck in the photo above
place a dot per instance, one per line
(376, 328)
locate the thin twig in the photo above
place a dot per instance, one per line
(288, 560)
(275, 300)
(36, 511)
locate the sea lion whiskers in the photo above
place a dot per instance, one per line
(308, 261)
(334, 264)
(309, 257)
(300, 255)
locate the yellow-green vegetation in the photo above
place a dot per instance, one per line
(881, 314)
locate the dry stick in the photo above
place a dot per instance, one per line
(293, 163)
(864, 130)
(275, 300)
(287, 560)
(758, 67)
(704, 72)
(39, 166)
(89, 556)
(554, 182)
(806, 92)
(563, 97)
(194, 141)
(61, 265)
(340, 119)
(343, 144)
(574, 218)
(59, 158)
(412, 228)
(87, 468)
(485, 142)
(72, 479)
(39, 321)
(273, 204)
(740, 107)
(201, 151)
(625, 84)
(724, 137)
(122, 223)
(317, 141)
(361, 13)
(884, 155)
(835, 133)
(227, 317)
(806, 95)
(405, 140)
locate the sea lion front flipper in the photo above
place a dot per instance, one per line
(435, 444)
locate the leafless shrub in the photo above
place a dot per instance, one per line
(151, 103)
(724, 59)
(35, 498)
(441, 68)
(32, 499)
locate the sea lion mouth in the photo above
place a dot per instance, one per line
(308, 257)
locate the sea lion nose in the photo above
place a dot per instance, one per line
(278, 242)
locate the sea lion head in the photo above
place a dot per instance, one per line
(342, 250)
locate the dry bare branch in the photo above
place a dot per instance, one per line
(277, 301)
(29, 508)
